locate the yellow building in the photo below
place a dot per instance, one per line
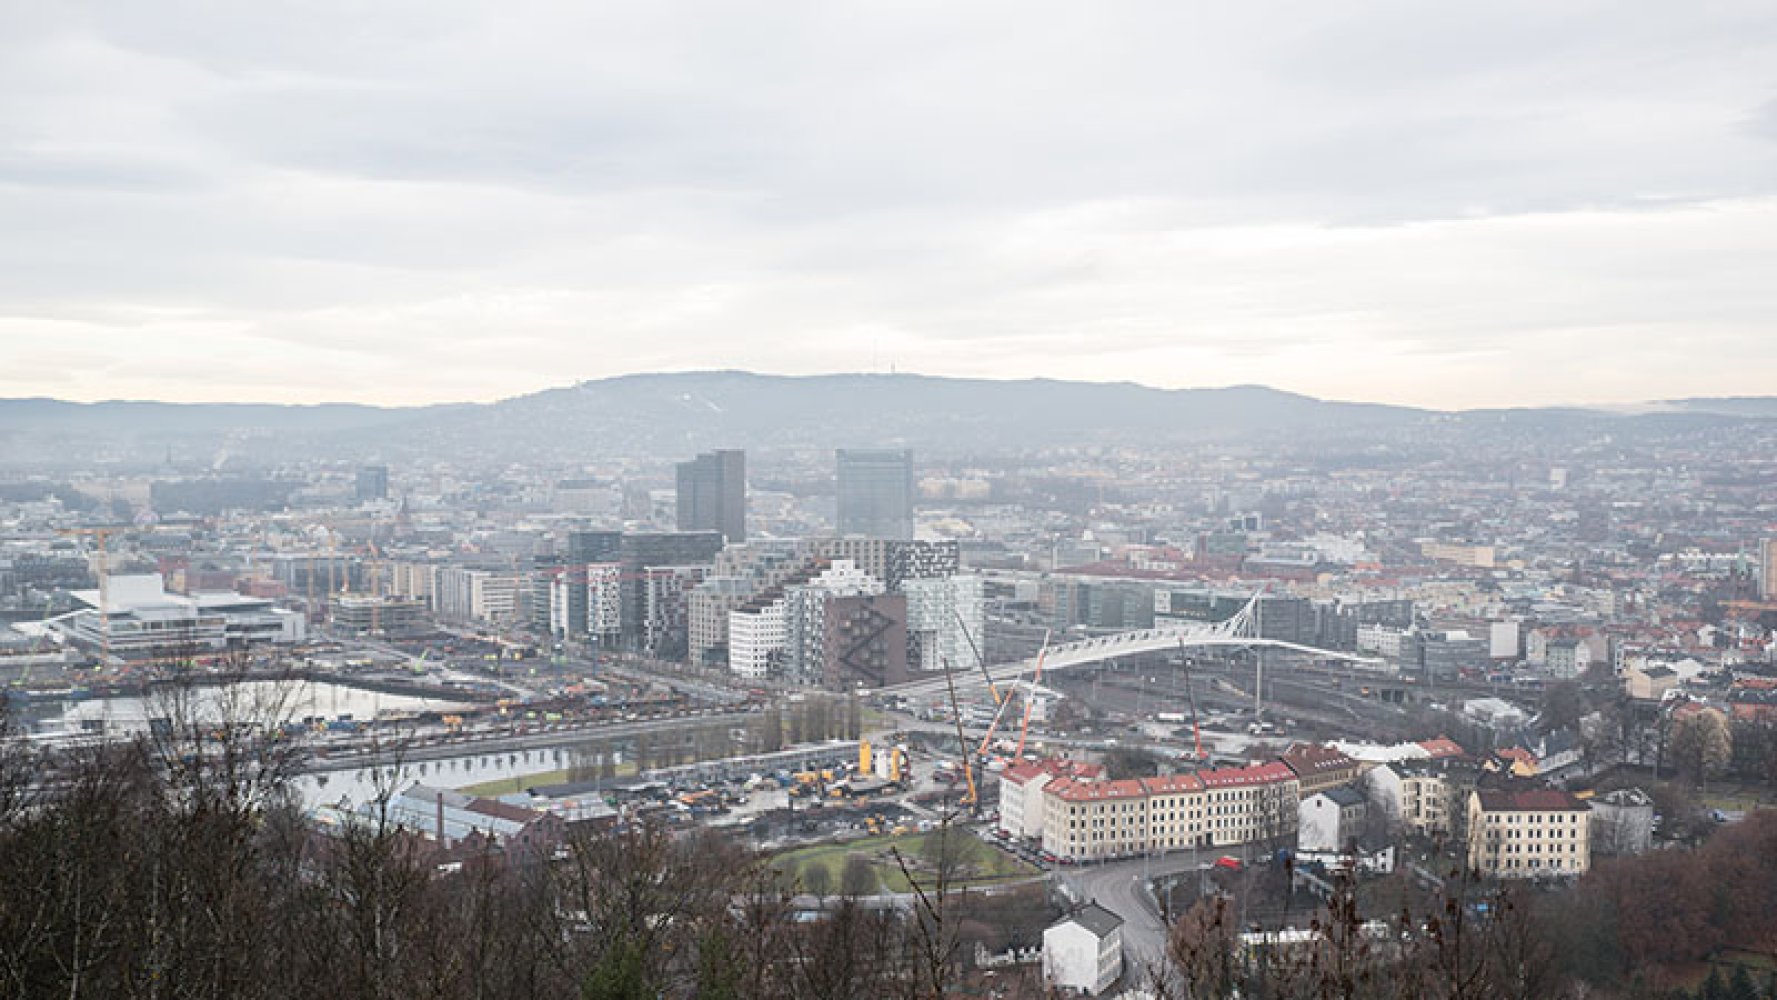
(1528, 834)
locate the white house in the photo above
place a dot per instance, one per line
(1330, 820)
(1084, 950)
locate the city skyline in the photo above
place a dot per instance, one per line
(1515, 206)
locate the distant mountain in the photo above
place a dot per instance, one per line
(674, 414)
(1732, 406)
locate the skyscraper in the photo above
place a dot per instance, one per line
(373, 483)
(876, 493)
(712, 494)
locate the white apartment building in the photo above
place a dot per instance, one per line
(481, 595)
(756, 639)
(1021, 792)
(779, 635)
(943, 615)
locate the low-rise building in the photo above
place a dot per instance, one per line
(1084, 950)
(1622, 822)
(1330, 820)
(1649, 681)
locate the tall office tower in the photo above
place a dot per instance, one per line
(876, 493)
(1767, 561)
(713, 494)
(373, 483)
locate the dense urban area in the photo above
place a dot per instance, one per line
(1477, 707)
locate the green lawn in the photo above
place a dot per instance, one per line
(980, 864)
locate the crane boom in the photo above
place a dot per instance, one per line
(973, 798)
(980, 661)
(1030, 698)
(995, 724)
(1191, 695)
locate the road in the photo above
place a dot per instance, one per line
(1119, 886)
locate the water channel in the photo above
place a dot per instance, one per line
(276, 702)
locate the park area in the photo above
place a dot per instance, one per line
(874, 865)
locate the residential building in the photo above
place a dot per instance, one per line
(666, 594)
(1474, 556)
(782, 632)
(1622, 822)
(1021, 792)
(1528, 833)
(875, 493)
(946, 621)
(1567, 658)
(483, 595)
(712, 494)
(1211, 808)
(864, 641)
(1319, 768)
(1083, 951)
(1649, 681)
(894, 561)
(1331, 820)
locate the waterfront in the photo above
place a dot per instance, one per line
(360, 785)
(268, 702)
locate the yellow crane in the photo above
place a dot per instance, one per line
(100, 536)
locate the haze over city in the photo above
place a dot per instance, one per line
(835, 501)
(1509, 205)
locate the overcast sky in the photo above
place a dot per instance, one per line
(396, 202)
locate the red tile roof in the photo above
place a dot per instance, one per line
(1258, 774)
(1311, 758)
(1023, 773)
(1443, 747)
(1530, 800)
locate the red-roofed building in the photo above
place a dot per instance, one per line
(1319, 768)
(1021, 791)
(1213, 808)
(1443, 748)
(1528, 833)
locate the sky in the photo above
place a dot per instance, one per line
(1445, 205)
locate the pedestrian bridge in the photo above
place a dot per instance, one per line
(1238, 631)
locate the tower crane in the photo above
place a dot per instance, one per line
(101, 534)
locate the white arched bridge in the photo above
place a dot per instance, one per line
(1238, 631)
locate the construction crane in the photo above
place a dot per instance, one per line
(1030, 699)
(980, 661)
(101, 535)
(992, 727)
(1191, 695)
(972, 797)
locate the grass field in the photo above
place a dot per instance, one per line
(979, 864)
